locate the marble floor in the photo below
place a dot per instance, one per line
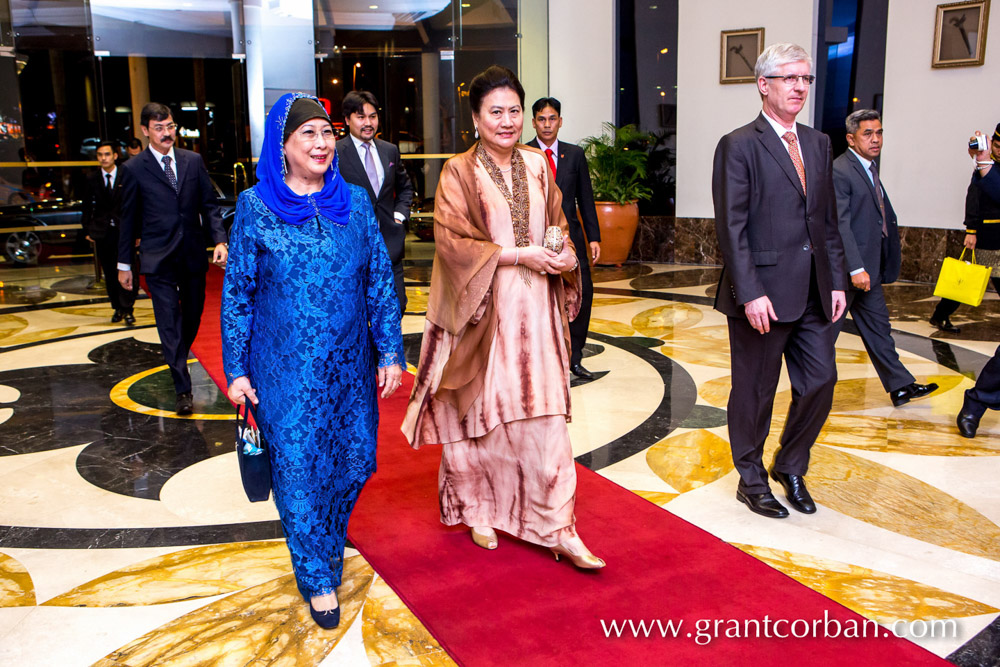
(125, 539)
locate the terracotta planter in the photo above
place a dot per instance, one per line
(618, 225)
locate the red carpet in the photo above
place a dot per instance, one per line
(518, 606)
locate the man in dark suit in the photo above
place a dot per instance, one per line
(376, 166)
(168, 202)
(871, 248)
(569, 165)
(986, 394)
(783, 282)
(102, 214)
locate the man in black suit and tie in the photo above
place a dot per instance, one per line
(168, 202)
(102, 214)
(376, 166)
(782, 286)
(569, 166)
(871, 248)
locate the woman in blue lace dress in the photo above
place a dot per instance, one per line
(310, 324)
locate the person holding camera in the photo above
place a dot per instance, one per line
(982, 223)
(986, 183)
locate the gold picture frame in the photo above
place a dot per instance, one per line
(740, 49)
(960, 34)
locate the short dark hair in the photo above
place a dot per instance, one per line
(854, 121)
(134, 143)
(543, 102)
(490, 79)
(112, 144)
(355, 101)
(154, 111)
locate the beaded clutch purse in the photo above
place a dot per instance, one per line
(553, 239)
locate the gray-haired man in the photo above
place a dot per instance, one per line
(871, 246)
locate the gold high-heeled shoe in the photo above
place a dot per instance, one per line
(587, 561)
(487, 540)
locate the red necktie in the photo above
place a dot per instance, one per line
(552, 162)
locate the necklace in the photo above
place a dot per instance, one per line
(506, 170)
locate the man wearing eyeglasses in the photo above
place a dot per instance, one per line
(783, 282)
(168, 202)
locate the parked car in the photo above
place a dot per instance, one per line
(25, 239)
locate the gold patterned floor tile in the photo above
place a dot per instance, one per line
(846, 356)
(268, 624)
(903, 436)
(656, 497)
(707, 346)
(183, 575)
(38, 336)
(884, 497)
(394, 636)
(665, 320)
(103, 313)
(881, 597)
(690, 460)
(610, 328)
(860, 393)
(16, 587)
(11, 325)
(612, 301)
(416, 299)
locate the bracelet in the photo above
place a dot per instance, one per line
(984, 161)
(517, 254)
(983, 166)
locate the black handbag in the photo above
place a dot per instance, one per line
(255, 464)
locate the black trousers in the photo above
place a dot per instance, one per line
(946, 307)
(986, 393)
(871, 316)
(397, 276)
(807, 346)
(178, 295)
(578, 328)
(107, 254)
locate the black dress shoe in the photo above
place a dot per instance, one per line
(185, 403)
(968, 424)
(129, 318)
(764, 504)
(325, 619)
(117, 317)
(581, 372)
(911, 391)
(945, 325)
(795, 490)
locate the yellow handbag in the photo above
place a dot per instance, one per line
(961, 281)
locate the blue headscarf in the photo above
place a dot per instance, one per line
(332, 202)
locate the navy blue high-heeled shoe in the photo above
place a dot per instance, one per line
(326, 619)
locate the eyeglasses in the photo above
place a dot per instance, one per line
(169, 128)
(790, 79)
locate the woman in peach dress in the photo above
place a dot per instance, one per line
(492, 384)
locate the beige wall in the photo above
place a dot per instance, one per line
(929, 115)
(581, 65)
(706, 109)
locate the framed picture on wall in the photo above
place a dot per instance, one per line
(960, 34)
(740, 49)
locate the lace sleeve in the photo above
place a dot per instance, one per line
(383, 304)
(238, 291)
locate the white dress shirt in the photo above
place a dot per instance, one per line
(781, 129)
(104, 176)
(555, 151)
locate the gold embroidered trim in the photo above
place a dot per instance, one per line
(517, 200)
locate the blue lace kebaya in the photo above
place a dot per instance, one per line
(308, 313)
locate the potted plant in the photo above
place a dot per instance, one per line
(617, 160)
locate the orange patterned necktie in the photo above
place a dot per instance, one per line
(793, 150)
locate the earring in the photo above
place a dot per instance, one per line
(477, 133)
(284, 163)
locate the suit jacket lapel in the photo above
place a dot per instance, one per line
(383, 155)
(152, 165)
(350, 159)
(858, 167)
(560, 173)
(777, 149)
